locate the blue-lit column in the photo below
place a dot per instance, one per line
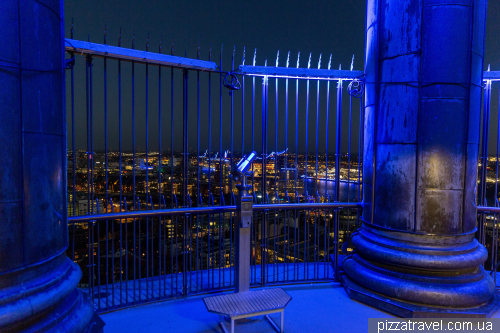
(424, 62)
(37, 281)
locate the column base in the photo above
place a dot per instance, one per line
(411, 274)
(48, 302)
(412, 310)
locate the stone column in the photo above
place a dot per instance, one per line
(37, 281)
(424, 64)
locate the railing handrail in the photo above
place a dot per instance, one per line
(488, 209)
(208, 210)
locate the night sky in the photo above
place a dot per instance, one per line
(327, 27)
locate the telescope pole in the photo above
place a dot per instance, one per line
(244, 213)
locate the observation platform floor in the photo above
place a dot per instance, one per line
(315, 307)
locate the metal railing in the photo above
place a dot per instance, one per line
(488, 173)
(154, 223)
(169, 253)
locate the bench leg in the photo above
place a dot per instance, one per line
(282, 328)
(221, 323)
(232, 325)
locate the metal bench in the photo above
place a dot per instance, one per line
(249, 304)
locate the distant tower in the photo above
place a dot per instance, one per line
(417, 250)
(37, 281)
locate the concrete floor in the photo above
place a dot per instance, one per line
(314, 308)
(320, 307)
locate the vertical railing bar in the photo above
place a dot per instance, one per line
(484, 154)
(316, 213)
(306, 180)
(220, 165)
(87, 98)
(198, 198)
(164, 253)
(327, 196)
(209, 254)
(185, 159)
(126, 254)
(161, 220)
(173, 226)
(276, 194)
(152, 249)
(265, 236)
(107, 263)
(121, 185)
(73, 153)
(360, 151)
(91, 139)
(112, 251)
(231, 226)
(253, 177)
(337, 176)
(87, 65)
(98, 264)
(296, 129)
(346, 235)
(147, 176)
(140, 252)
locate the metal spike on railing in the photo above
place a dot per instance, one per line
(298, 58)
(159, 48)
(97, 205)
(105, 41)
(120, 38)
(489, 66)
(243, 59)
(309, 61)
(330, 62)
(198, 52)
(352, 62)
(254, 56)
(319, 61)
(125, 204)
(265, 63)
(172, 47)
(221, 49)
(210, 53)
(164, 203)
(71, 28)
(234, 51)
(147, 44)
(277, 58)
(340, 66)
(288, 59)
(133, 41)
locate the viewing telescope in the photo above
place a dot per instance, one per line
(242, 169)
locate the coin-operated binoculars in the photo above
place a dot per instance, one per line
(244, 214)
